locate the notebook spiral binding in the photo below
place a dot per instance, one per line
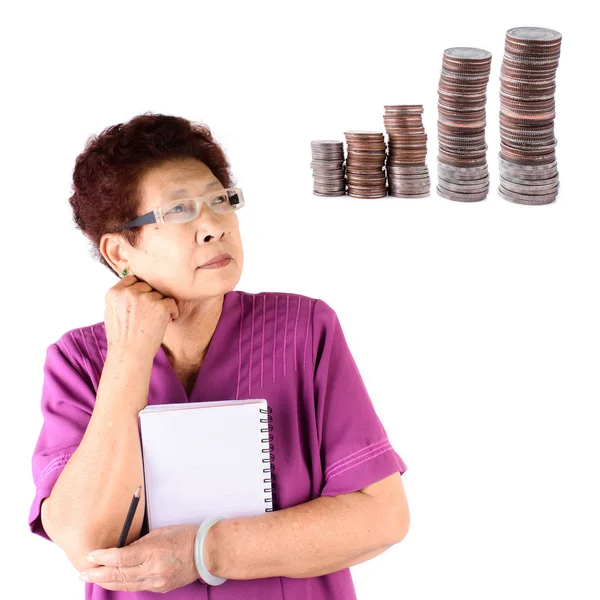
(268, 419)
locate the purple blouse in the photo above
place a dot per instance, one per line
(287, 348)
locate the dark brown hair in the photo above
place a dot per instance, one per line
(107, 174)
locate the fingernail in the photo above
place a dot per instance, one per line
(90, 558)
(84, 577)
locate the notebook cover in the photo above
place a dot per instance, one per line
(205, 459)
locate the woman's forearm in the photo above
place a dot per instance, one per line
(318, 537)
(90, 499)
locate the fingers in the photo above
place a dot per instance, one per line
(131, 555)
(129, 579)
(172, 307)
(127, 281)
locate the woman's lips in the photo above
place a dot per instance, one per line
(217, 265)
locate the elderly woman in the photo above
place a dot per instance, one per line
(156, 199)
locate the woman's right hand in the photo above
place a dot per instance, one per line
(136, 317)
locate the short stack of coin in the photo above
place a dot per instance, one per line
(328, 168)
(462, 164)
(365, 164)
(528, 168)
(407, 173)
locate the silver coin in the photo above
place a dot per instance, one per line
(327, 146)
(321, 181)
(317, 168)
(327, 157)
(400, 195)
(512, 165)
(317, 193)
(423, 181)
(409, 183)
(367, 196)
(463, 178)
(324, 160)
(333, 178)
(462, 175)
(533, 190)
(417, 172)
(408, 176)
(462, 197)
(528, 179)
(522, 199)
(465, 53)
(483, 168)
(327, 149)
(410, 192)
(316, 156)
(528, 175)
(465, 170)
(328, 173)
(469, 188)
(407, 170)
(326, 188)
(421, 189)
(537, 34)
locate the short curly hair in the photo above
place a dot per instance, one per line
(107, 174)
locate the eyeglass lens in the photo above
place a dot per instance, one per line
(185, 209)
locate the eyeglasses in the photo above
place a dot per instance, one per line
(183, 210)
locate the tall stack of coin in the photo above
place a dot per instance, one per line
(328, 168)
(462, 165)
(528, 168)
(365, 164)
(408, 176)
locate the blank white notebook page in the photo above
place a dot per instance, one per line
(205, 459)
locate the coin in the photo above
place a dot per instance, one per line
(406, 164)
(525, 198)
(329, 177)
(402, 195)
(527, 113)
(365, 163)
(462, 149)
(466, 197)
(470, 187)
(538, 189)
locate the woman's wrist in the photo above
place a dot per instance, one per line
(201, 551)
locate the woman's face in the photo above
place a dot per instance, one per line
(169, 255)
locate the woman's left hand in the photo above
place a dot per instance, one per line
(160, 561)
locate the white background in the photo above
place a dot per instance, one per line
(475, 325)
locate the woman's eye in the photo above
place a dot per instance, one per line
(177, 209)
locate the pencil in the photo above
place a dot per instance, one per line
(129, 517)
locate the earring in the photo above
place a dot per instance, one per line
(124, 272)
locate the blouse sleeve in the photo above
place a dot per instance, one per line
(355, 450)
(67, 402)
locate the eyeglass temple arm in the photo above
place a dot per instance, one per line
(143, 220)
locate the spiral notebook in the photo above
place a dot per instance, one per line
(206, 459)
